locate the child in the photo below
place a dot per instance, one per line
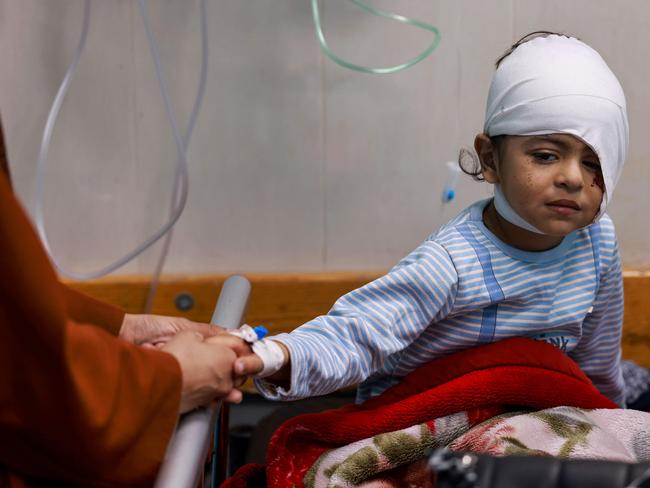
(538, 260)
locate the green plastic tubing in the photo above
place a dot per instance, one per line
(380, 13)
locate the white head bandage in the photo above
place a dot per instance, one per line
(558, 84)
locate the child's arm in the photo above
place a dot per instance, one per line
(365, 328)
(599, 351)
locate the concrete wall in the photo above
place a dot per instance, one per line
(296, 164)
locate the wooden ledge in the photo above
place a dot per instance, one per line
(281, 302)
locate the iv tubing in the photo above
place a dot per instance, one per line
(380, 13)
(181, 172)
(198, 101)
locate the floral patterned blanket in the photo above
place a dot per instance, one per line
(396, 458)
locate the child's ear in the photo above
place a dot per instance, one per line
(488, 157)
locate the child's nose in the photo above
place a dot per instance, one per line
(570, 175)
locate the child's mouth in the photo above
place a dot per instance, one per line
(564, 207)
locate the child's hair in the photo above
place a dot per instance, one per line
(467, 159)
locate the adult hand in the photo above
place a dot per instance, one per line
(238, 345)
(159, 329)
(206, 369)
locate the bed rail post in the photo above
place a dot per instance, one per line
(184, 461)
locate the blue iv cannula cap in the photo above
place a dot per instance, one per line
(261, 332)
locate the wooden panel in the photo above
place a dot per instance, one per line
(283, 301)
(279, 301)
(636, 327)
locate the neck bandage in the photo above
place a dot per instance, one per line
(510, 214)
(558, 84)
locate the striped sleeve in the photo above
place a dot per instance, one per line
(599, 351)
(368, 325)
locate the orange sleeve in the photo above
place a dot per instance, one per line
(76, 404)
(82, 308)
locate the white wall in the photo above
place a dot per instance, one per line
(296, 164)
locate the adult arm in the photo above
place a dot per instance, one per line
(76, 404)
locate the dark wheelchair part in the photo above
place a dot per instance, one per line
(467, 470)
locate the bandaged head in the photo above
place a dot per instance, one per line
(558, 84)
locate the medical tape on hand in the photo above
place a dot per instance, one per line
(268, 351)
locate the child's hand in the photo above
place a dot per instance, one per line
(248, 365)
(253, 365)
(244, 352)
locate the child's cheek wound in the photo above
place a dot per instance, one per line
(599, 182)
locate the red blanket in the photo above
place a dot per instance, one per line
(482, 382)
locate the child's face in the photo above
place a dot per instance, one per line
(553, 181)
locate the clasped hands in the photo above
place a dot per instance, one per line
(213, 362)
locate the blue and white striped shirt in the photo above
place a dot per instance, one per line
(461, 288)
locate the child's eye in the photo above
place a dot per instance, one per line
(591, 166)
(545, 157)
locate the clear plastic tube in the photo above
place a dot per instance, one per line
(198, 101)
(399, 18)
(449, 190)
(179, 197)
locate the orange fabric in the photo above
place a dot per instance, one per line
(77, 405)
(82, 308)
(4, 164)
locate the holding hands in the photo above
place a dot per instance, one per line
(206, 369)
(248, 363)
(213, 362)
